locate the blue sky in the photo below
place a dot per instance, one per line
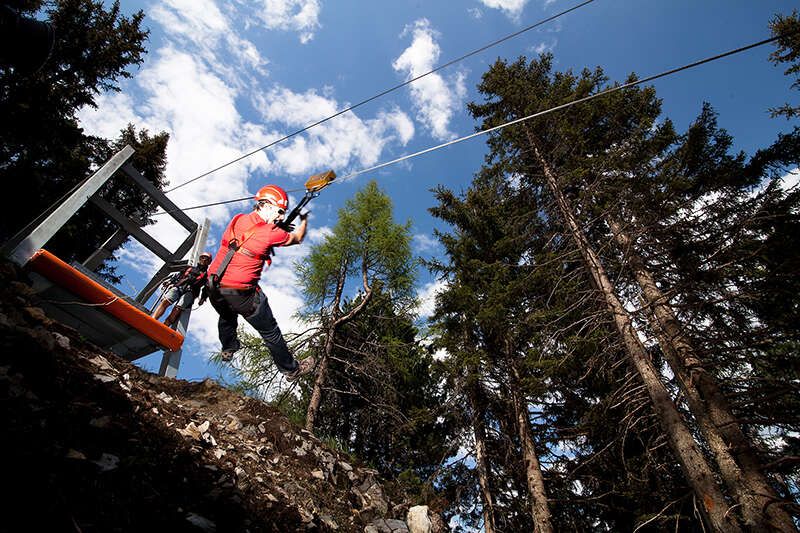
(226, 77)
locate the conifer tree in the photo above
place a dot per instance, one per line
(477, 315)
(787, 28)
(367, 249)
(510, 264)
(518, 89)
(612, 165)
(382, 396)
(41, 142)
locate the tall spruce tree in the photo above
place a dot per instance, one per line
(41, 142)
(607, 163)
(487, 323)
(514, 90)
(513, 278)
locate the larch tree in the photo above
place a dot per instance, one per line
(382, 400)
(367, 250)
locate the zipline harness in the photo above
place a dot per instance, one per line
(313, 186)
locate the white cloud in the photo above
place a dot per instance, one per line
(198, 21)
(425, 243)
(203, 329)
(426, 296)
(435, 99)
(791, 179)
(338, 143)
(139, 258)
(475, 13)
(114, 112)
(400, 122)
(301, 16)
(512, 8)
(543, 47)
(202, 25)
(294, 109)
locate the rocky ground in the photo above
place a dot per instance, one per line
(93, 443)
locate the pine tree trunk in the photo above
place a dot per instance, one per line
(738, 464)
(694, 466)
(319, 381)
(540, 510)
(322, 367)
(481, 461)
(337, 319)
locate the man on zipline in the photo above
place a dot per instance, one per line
(245, 247)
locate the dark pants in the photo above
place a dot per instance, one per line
(254, 307)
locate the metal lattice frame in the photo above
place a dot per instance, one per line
(40, 231)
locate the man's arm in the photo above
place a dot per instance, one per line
(172, 279)
(297, 236)
(203, 295)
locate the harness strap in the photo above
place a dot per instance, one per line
(234, 246)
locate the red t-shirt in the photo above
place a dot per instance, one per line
(244, 271)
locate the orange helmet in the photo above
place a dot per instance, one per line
(274, 195)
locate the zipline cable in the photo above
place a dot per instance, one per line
(387, 91)
(529, 117)
(250, 197)
(560, 107)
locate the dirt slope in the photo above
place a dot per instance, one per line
(93, 443)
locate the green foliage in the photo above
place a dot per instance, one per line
(295, 410)
(383, 401)
(517, 284)
(713, 228)
(379, 393)
(41, 143)
(253, 372)
(365, 242)
(787, 27)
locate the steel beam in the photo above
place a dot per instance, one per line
(169, 266)
(172, 360)
(105, 251)
(159, 197)
(132, 228)
(47, 228)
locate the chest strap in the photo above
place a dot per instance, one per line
(234, 246)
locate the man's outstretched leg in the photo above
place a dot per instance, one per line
(266, 325)
(160, 308)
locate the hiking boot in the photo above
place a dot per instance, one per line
(304, 367)
(227, 355)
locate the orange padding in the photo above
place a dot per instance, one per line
(66, 277)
